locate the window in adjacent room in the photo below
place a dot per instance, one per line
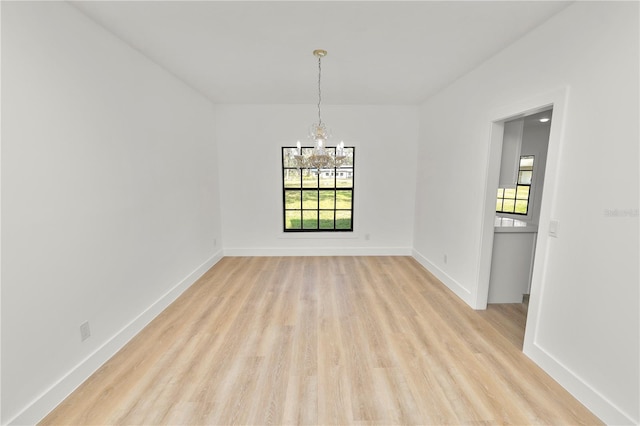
(516, 200)
(317, 200)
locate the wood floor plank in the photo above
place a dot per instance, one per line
(323, 340)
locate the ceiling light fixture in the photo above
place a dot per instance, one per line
(544, 119)
(320, 157)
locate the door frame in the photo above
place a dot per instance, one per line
(556, 99)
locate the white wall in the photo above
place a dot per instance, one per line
(583, 321)
(109, 198)
(250, 138)
(535, 141)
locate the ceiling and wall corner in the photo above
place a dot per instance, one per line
(390, 53)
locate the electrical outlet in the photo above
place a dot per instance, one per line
(85, 331)
(215, 242)
(445, 258)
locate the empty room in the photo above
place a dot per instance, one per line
(319, 212)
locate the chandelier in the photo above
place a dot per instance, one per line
(320, 157)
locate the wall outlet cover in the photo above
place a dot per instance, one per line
(85, 331)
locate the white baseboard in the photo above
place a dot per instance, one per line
(319, 251)
(453, 285)
(599, 405)
(574, 384)
(48, 400)
(53, 396)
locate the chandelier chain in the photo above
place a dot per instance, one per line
(320, 157)
(319, 91)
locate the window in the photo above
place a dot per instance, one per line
(317, 200)
(516, 200)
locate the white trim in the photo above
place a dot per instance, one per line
(577, 386)
(488, 214)
(453, 285)
(54, 395)
(318, 251)
(329, 235)
(0, 225)
(555, 98)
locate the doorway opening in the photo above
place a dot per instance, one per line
(520, 182)
(518, 196)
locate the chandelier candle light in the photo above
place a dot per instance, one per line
(320, 157)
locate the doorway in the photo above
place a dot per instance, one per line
(539, 209)
(520, 187)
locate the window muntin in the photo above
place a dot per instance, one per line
(516, 200)
(317, 200)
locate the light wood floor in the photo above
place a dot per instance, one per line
(509, 319)
(320, 340)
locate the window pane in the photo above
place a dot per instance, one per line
(292, 199)
(292, 219)
(508, 206)
(309, 199)
(327, 178)
(499, 205)
(291, 178)
(521, 206)
(288, 157)
(524, 177)
(326, 219)
(526, 162)
(344, 177)
(343, 219)
(348, 160)
(500, 192)
(327, 200)
(510, 193)
(309, 219)
(310, 178)
(343, 199)
(522, 193)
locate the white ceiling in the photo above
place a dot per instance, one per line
(261, 52)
